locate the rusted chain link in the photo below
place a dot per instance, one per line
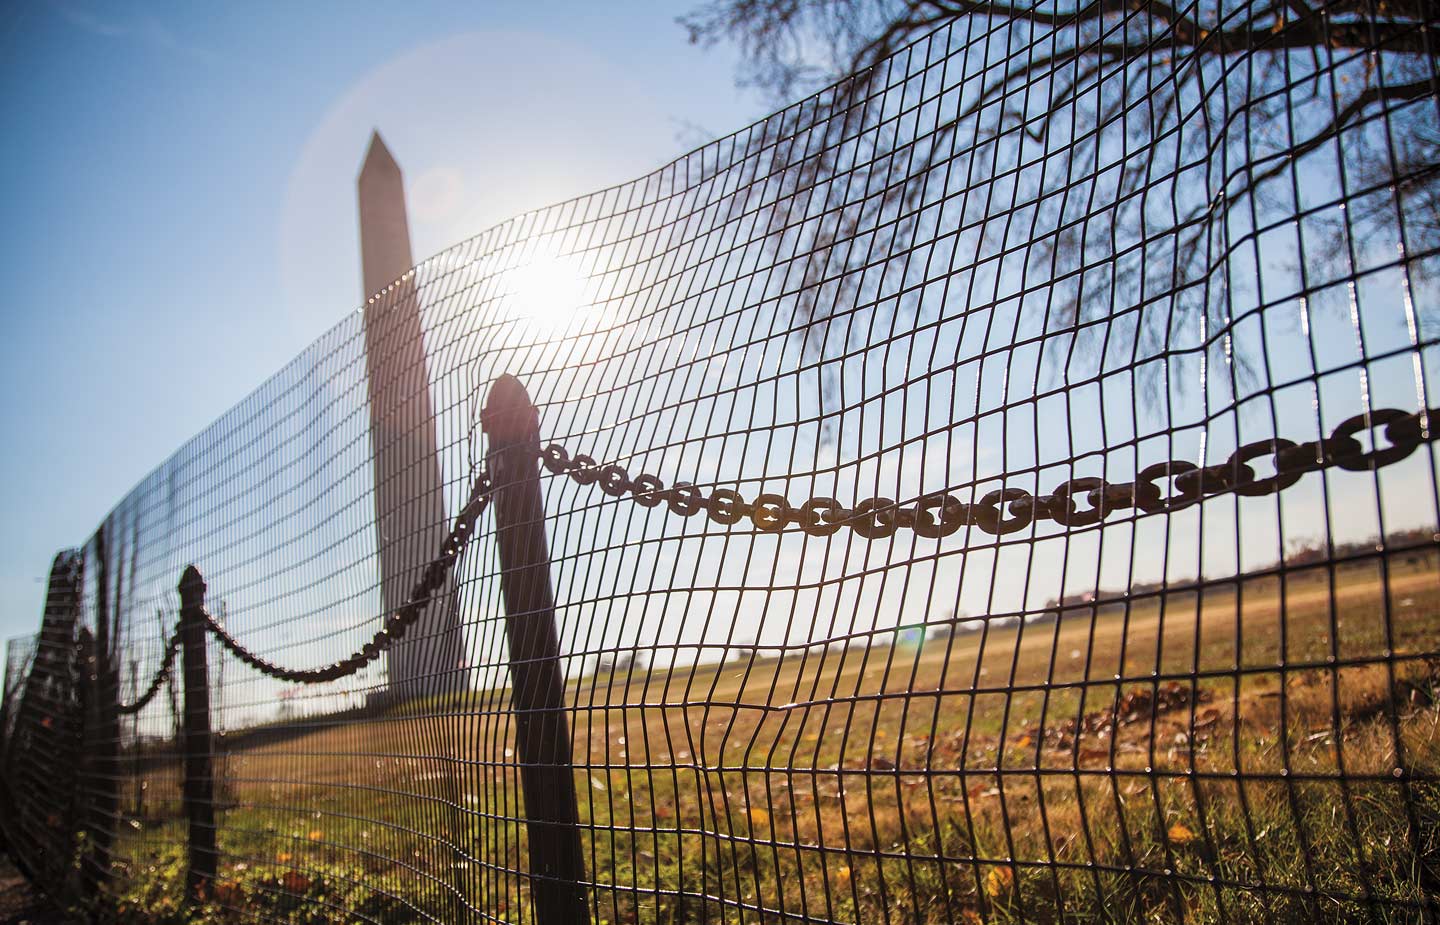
(1007, 510)
(420, 596)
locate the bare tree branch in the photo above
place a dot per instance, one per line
(1087, 69)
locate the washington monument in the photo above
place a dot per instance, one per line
(410, 516)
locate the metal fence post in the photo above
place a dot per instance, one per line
(102, 724)
(199, 793)
(542, 736)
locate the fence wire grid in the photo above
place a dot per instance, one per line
(998, 487)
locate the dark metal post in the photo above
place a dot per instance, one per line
(103, 728)
(542, 735)
(199, 790)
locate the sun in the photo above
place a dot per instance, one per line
(550, 291)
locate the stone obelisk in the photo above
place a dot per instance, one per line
(410, 511)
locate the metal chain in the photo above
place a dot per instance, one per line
(420, 596)
(156, 682)
(1002, 511)
(1007, 510)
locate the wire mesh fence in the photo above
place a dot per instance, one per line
(998, 487)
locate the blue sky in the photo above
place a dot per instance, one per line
(178, 188)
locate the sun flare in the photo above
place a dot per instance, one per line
(550, 291)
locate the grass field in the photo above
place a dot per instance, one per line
(1067, 770)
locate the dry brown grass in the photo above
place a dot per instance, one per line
(998, 774)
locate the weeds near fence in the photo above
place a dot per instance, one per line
(1095, 792)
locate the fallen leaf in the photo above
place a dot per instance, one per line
(316, 834)
(1180, 835)
(843, 875)
(999, 882)
(759, 816)
(283, 857)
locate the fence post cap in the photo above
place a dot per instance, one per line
(509, 416)
(192, 587)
